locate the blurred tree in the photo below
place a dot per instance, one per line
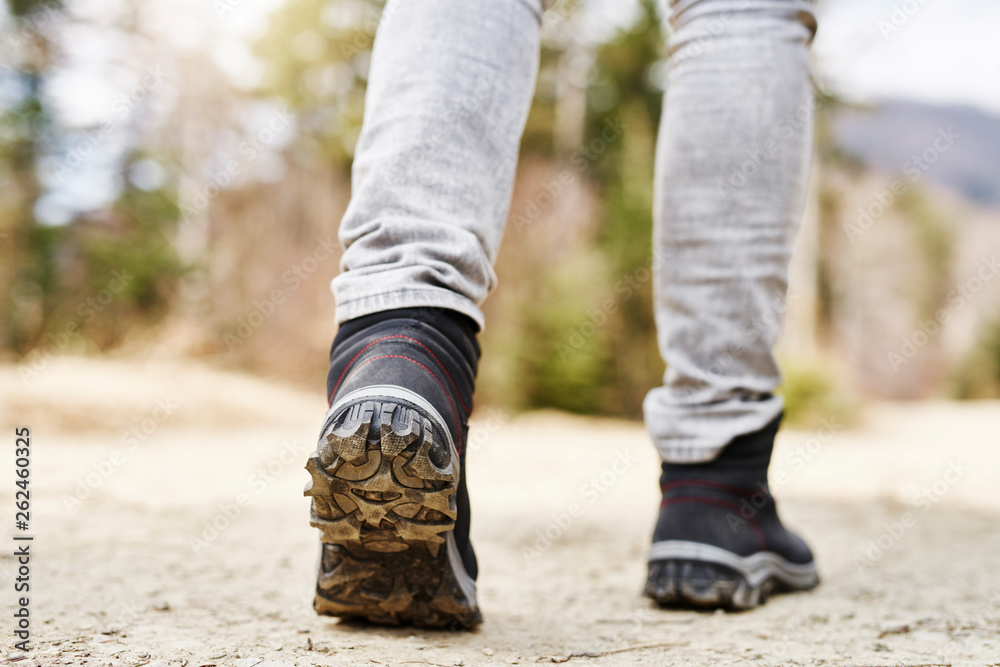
(572, 326)
(98, 273)
(625, 101)
(28, 269)
(317, 54)
(830, 209)
(934, 235)
(978, 375)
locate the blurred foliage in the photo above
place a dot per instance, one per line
(571, 327)
(625, 68)
(830, 211)
(103, 273)
(586, 341)
(813, 395)
(557, 359)
(935, 240)
(978, 376)
(316, 54)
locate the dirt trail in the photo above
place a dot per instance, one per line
(127, 570)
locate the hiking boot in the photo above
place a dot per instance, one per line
(718, 541)
(388, 475)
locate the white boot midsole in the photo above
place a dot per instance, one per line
(756, 568)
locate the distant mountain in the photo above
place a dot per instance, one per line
(891, 135)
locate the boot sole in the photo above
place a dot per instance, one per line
(384, 482)
(691, 574)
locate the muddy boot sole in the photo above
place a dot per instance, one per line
(384, 482)
(692, 575)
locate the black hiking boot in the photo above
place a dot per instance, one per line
(388, 485)
(718, 541)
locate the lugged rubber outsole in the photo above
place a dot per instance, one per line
(384, 482)
(693, 583)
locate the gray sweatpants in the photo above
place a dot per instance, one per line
(449, 89)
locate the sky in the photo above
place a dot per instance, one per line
(935, 51)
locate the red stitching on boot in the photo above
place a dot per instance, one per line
(348, 366)
(454, 410)
(736, 490)
(722, 504)
(458, 394)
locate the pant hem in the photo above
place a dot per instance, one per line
(424, 297)
(689, 454)
(700, 433)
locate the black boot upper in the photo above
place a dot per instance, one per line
(431, 352)
(727, 503)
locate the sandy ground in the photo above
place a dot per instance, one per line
(133, 463)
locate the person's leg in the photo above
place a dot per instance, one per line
(448, 94)
(449, 89)
(732, 169)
